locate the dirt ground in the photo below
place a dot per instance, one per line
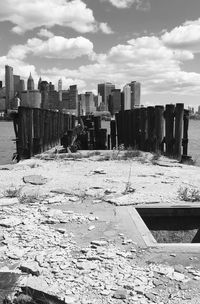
(56, 206)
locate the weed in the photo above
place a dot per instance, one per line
(156, 156)
(128, 188)
(189, 194)
(28, 199)
(12, 192)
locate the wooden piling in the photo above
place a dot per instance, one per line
(159, 127)
(179, 112)
(169, 129)
(185, 132)
(143, 129)
(113, 133)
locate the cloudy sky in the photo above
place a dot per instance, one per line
(86, 42)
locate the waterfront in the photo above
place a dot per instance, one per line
(7, 145)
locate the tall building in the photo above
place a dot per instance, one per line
(44, 88)
(135, 93)
(60, 89)
(81, 104)
(9, 84)
(114, 105)
(89, 103)
(105, 89)
(17, 87)
(127, 97)
(39, 83)
(30, 83)
(97, 101)
(51, 87)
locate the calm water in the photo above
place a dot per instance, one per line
(7, 146)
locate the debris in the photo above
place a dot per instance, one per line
(35, 179)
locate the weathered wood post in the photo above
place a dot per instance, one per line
(159, 127)
(185, 132)
(137, 127)
(169, 129)
(133, 129)
(36, 131)
(151, 138)
(113, 133)
(143, 128)
(129, 129)
(125, 128)
(179, 112)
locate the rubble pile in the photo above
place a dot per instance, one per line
(49, 260)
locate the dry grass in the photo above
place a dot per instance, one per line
(189, 194)
(12, 192)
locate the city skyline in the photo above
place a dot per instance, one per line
(154, 42)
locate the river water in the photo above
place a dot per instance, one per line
(8, 147)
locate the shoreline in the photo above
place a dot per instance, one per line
(64, 231)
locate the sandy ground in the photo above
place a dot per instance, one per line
(78, 202)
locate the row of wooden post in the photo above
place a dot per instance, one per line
(38, 130)
(152, 129)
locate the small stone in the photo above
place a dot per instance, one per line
(12, 221)
(35, 179)
(105, 292)
(173, 255)
(120, 294)
(178, 276)
(61, 230)
(90, 228)
(30, 267)
(179, 268)
(150, 296)
(99, 243)
(69, 299)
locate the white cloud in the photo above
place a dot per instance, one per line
(45, 33)
(54, 47)
(27, 15)
(140, 4)
(145, 59)
(105, 28)
(186, 36)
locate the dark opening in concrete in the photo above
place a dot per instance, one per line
(172, 225)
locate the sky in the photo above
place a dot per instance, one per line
(86, 42)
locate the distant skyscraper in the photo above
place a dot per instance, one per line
(89, 102)
(135, 93)
(44, 94)
(9, 84)
(60, 89)
(105, 89)
(115, 101)
(16, 79)
(127, 97)
(22, 85)
(39, 83)
(30, 83)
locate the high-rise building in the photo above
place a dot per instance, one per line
(60, 89)
(44, 88)
(39, 83)
(89, 103)
(30, 83)
(135, 93)
(114, 105)
(105, 89)
(51, 87)
(81, 104)
(97, 101)
(22, 85)
(9, 84)
(127, 97)
(17, 88)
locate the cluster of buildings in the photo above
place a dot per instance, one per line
(44, 95)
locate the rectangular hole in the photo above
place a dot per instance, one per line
(172, 225)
